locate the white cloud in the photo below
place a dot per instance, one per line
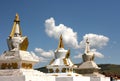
(78, 56)
(69, 36)
(97, 54)
(44, 53)
(96, 41)
(41, 59)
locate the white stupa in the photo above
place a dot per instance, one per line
(17, 57)
(62, 67)
(61, 62)
(88, 66)
(16, 64)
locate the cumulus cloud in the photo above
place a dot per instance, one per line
(69, 36)
(44, 53)
(97, 54)
(78, 56)
(96, 41)
(41, 59)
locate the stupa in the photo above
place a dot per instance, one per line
(62, 67)
(88, 66)
(16, 64)
(61, 62)
(17, 57)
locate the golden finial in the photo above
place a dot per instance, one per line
(61, 45)
(17, 18)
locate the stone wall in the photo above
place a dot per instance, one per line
(99, 78)
(27, 78)
(72, 78)
(12, 78)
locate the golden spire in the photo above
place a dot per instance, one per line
(17, 18)
(61, 45)
(16, 27)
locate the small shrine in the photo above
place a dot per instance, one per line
(88, 66)
(17, 57)
(61, 62)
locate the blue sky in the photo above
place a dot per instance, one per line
(94, 18)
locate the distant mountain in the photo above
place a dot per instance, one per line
(106, 69)
(110, 68)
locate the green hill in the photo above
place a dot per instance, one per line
(110, 68)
